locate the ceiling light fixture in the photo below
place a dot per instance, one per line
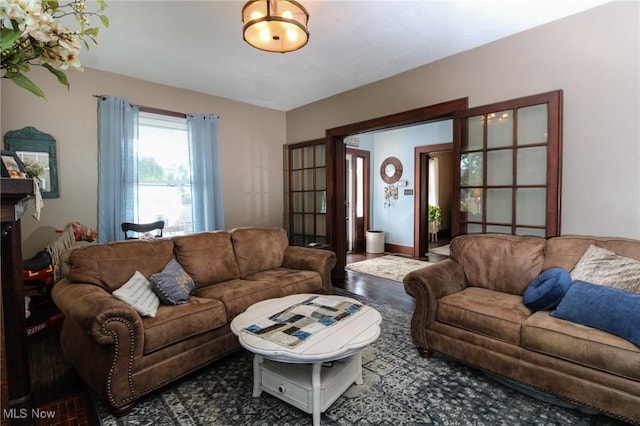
(275, 25)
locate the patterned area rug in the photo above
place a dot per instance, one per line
(393, 268)
(400, 388)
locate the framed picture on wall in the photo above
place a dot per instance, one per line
(12, 166)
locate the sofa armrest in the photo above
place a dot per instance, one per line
(312, 259)
(96, 312)
(102, 337)
(427, 285)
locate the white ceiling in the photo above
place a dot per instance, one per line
(198, 45)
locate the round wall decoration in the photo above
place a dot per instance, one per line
(391, 170)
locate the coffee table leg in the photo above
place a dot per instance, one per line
(257, 375)
(315, 385)
(358, 361)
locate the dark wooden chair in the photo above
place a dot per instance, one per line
(142, 228)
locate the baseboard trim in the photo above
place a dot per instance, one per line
(394, 248)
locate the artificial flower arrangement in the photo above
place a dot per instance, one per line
(32, 34)
(34, 169)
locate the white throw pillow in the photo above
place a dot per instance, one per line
(138, 294)
(604, 267)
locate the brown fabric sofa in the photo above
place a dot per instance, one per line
(470, 307)
(122, 355)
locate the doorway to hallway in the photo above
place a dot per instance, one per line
(336, 136)
(358, 190)
(434, 193)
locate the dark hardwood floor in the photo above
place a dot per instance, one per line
(55, 386)
(380, 289)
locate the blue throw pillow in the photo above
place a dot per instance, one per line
(546, 291)
(605, 308)
(173, 285)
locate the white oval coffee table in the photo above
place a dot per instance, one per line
(312, 374)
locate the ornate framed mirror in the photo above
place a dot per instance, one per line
(39, 148)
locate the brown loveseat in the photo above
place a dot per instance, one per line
(470, 307)
(122, 355)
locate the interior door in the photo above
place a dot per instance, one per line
(358, 187)
(509, 160)
(307, 192)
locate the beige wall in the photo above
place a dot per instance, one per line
(251, 140)
(594, 57)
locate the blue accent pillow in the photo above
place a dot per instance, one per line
(545, 292)
(173, 285)
(605, 308)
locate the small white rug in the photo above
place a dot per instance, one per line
(442, 250)
(393, 268)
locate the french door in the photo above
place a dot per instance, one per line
(509, 174)
(307, 194)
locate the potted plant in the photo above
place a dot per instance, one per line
(435, 214)
(434, 218)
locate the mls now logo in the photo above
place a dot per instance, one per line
(23, 413)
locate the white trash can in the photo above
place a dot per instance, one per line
(375, 241)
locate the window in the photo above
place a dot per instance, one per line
(163, 173)
(157, 165)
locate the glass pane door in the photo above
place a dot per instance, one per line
(307, 207)
(509, 174)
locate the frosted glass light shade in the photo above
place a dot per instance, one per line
(275, 25)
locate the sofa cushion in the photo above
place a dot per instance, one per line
(601, 266)
(111, 265)
(173, 285)
(547, 289)
(564, 252)
(605, 308)
(207, 257)
(504, 263)
(487, 312)
(179, 322)
(291, 281)
(581, 344)
(138, 294)
(259, 249)
(238, 295)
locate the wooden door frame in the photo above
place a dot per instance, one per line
(366, 182)
(335, 138)
(420, 222)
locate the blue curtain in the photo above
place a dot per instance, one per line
(206, 177)
(117, 173)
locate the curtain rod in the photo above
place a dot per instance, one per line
(156, 110)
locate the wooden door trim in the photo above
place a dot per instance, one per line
(335, 137)
(420, 203)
